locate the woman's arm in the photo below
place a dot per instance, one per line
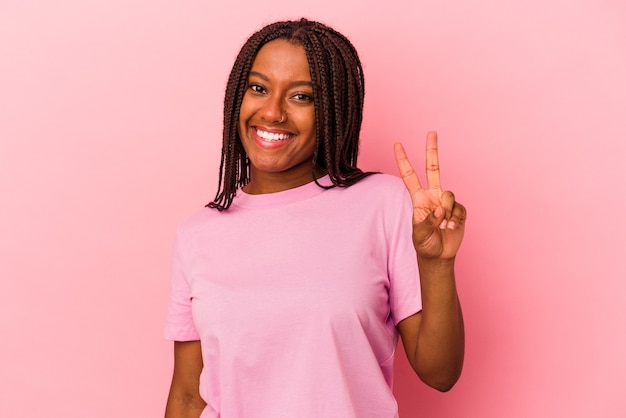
(184, 399)
(434, 338)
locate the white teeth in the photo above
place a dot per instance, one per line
(270, 136)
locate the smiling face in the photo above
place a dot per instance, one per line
(277, 119)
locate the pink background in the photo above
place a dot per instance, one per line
(110, 118)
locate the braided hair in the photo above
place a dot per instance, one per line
(338, 92)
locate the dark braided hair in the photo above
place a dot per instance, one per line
(338, 92)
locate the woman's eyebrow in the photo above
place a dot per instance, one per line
(260, 75)
(294, 83)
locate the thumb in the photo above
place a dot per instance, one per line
(437, 217)
(423, 231)
(433, 220)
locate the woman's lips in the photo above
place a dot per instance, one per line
(271, 139)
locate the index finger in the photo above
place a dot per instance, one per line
(411, 181)
(432, 162)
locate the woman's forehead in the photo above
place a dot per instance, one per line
(282, 58)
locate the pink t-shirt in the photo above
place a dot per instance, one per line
(295, 296)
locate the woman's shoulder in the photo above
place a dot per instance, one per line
(375, 191)
(382, 183)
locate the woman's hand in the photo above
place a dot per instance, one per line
(438, 220)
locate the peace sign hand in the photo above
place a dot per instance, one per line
(438, 220)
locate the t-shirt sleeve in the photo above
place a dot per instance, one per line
(179, 325)
(405, 296)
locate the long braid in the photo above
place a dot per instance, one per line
(345, 85)
(338, 91)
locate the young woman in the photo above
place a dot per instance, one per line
(290, 289)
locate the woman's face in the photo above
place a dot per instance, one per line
(277, 118)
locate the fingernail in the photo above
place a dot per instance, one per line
(437, 211)
(443, 224)
(451, 225)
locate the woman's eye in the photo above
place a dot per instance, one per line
(256, 88)
(301, 97)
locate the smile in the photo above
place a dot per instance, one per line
(273, 136)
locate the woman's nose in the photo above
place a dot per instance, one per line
(273, 110)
